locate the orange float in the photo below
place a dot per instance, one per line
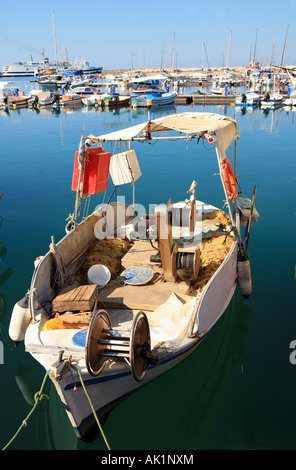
(229, 179)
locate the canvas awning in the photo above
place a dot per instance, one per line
(201, 125)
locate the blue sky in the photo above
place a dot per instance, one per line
(122, 34)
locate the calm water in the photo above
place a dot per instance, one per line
(237, 391)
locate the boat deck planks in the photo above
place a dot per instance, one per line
(138, 255)
(146, 297)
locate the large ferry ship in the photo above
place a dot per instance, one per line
(23, 69)
(31, 69)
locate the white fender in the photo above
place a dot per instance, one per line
(244, 278)
(20, 320)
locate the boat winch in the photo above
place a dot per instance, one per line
(180, 256)
(103, 343)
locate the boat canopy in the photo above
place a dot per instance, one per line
(189, 125)
(149, 78)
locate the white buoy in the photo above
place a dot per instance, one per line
(244, 277)
(99, 274)
(20, 320)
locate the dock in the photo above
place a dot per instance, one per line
(205, 99)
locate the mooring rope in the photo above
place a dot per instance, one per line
(39, 396)
(92, 407)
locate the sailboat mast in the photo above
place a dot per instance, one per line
(255, 48)
(228, 50)
(284, 48)
(202, 54)
(272, 53)
(173, 54)
(54, 37)
(162, 57)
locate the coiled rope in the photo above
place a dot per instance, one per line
(61, 272)
(39, 396)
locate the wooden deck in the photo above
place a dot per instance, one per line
(143, 297)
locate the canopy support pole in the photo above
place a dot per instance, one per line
(223, 184)
(81, 156)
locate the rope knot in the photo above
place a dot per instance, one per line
(38, 397)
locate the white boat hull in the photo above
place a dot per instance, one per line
(164, 99)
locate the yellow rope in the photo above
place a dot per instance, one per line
(38, 397)
(91, 405)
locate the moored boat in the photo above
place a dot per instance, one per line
(6, 89)
(42, 98)
(154, 99)
(106, 311)
(249, 98)
(84, 90)
(116, 100)
(18, 100)
(95, 99)
(272, 100)
(70, 99)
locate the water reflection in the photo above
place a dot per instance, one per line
(4, 276)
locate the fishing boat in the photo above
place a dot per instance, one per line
(128, 294)
(96, 99)
(116, 100)
(154, 99)
(53, 81)
(71, 99)
(42, 98)
(18, 100)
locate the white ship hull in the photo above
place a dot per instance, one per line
(21, 69)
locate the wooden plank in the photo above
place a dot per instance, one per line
(81, 298)
(138, 255)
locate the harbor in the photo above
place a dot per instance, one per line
(56, 132)
(153, 88)
(147, 237)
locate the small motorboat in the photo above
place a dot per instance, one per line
(70, 99)
(84, 90)
(249, 98)
(154, 99)
(95, 99)
(116, 100)
(18, 100)
(42, 98)
(272, 100)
